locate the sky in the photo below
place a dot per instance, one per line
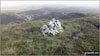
(6, 4)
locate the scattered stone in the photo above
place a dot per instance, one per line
(52, 28)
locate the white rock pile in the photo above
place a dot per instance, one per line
(52, 28)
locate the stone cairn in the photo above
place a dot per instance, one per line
(52, 28)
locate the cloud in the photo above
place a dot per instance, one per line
(5, 4)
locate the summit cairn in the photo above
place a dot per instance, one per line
(52, 28)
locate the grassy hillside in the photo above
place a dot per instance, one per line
(25, 39)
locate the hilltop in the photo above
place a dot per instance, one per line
(80, 35)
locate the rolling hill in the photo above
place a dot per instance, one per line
(45, 13)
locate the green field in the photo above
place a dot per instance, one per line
(80, 35)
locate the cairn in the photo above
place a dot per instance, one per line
(52, 28)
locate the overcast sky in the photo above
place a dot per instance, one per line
(5, 4)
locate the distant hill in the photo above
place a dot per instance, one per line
(10, 17)
(62, 13)
(67, 10)
(46, 13)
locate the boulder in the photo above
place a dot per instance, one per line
(52, 28)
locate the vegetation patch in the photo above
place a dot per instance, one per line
(26, 39)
